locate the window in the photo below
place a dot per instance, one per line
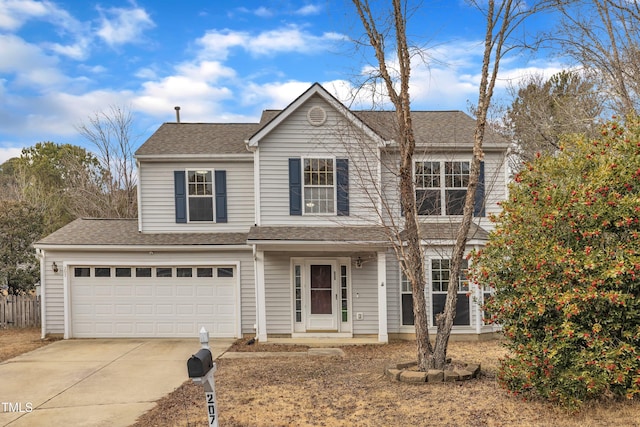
(200, 195)
(225, 272)
(82, 272)
(343, 293)
(163, 272)
(297, 284)
(406, 296)
(440, 273)
(123, 272)
(205, 272)
(437, 181)
(184, 272)
(143, 272)
(103, 272)
(319, 189)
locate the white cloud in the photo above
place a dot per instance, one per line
(310, 9)
(263, 12)
(194, 86)
(30, 65)
(120, 26)
(217, 44)
(14, 13)
(7, 153)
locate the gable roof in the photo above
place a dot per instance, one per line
(173, 139)
(432, 129)
(124, 232)
(269, 123)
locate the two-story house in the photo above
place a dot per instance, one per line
(280, 228)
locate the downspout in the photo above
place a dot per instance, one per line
(43, 324)
(255, 287)
(478, 302)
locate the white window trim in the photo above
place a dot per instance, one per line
(432, 292)
(335, 193)
(213, 193)
(443, 188)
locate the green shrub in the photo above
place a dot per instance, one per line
(564, 264)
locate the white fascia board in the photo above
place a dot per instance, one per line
(195, 157)
(145, 248)
(267, 245)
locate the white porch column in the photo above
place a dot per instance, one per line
(261, 305)
(382, 297)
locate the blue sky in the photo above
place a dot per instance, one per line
(221, 61)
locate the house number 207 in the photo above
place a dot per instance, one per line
(211, 408)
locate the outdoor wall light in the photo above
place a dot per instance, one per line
(54, 267)
(359, 263)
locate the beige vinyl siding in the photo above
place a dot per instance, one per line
(295, 137)
(54, 284)
(364, 282)
(157, 200)
(277, 278)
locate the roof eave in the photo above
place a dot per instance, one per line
(138, 248)
(248, 156)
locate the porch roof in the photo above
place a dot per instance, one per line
(448, 231)
(337, 234)
(124, 232)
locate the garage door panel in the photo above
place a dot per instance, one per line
(184, 291)
(165, 309)
(102, 309)
(153, 306)
(144, 309)
(164, 291)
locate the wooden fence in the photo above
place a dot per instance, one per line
(19, 311)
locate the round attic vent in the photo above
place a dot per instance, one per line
(316, 116)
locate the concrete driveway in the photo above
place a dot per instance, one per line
(101, 382)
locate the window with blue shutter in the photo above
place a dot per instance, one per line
(295, 187)
(180, 196)
(221, 195)
(197, 192)
(342, 188)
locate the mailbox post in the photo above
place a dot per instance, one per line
(201, 368)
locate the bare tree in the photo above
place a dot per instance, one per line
(544, 110)
(386, 34)
(604, 36)
(110, 132)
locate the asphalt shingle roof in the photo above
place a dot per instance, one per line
(198, 138)
(318, 234)
(115, 232)
(446, 129)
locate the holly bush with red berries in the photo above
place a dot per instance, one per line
(564, 265)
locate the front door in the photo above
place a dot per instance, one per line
(322, 309)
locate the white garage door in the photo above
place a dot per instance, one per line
(117, 302)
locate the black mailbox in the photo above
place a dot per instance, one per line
(200, 363)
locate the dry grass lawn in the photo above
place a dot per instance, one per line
(352, 391)
(15, 341)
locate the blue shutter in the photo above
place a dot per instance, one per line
(295, 187)
(479, 206)
(221, 195)
(180, 190)
(342, 188)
